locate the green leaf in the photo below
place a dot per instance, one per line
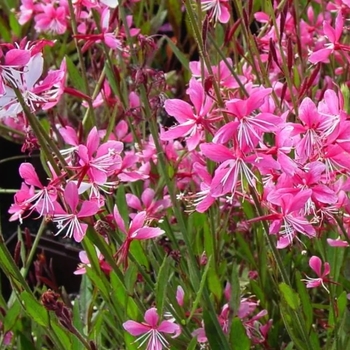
(5, 33)
(179, 55)
(200, 290)
(214, 282)
(137, 252)
(130, 342)
(62, 334)
(99, 281)
(290, 296)
(235, 299)
(238, 335)
(111, 79)
(305, 301)
(74, 75)
(130, 278)
(24, 343)
(85, 296)
(14, 25)
(162, 284)
(215, 335)
(12, 315)
(121, 205)
(34, 309)
(193, 344)
(76, 343)
(289, 324)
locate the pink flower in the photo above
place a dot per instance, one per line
(203, 199)
(26, 9)
(153, 208)
(151, 331)
(316, 264)
(338, 243)
(45, 198)
(69, 219)
(193, 121)
(13, 61)
(37, 95)
(52, 19)
(219, 11)
(107, 36)
(333, 35)
(21, 204)
(232, 169)
(289, 221)
(136, 230)
(180, 295)
(98, 161)
(248, 126)
(85, 262)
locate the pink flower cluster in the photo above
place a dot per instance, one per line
(22, 69)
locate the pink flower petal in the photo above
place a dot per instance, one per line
(180, 110)
(316, 264)
(29, 175)
(88, 208)
(152, 318)
(136, 328)
(170, 328)
(217, 153)
(71, 196)
(147, 233)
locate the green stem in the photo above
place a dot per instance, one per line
(16, 157)
(192, 262)
(25, 269)
(92, 120)
(284, 275)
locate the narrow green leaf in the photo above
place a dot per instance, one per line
(74, 75)
(200, 290)
(138, 254)
(12, 315)
(214, 282)
(85, 296)
(216, 337)
(193, 344)
(289, 324)
(34, 309)
(235, 299)
(179, 55)
(130, 342)
(130, 278)
(305, 301)
(24, 343)
(14, 25)
(62, 334)
(121, 204)
(244, 250)
(238, 336)
(290, 296)
(76, 343)
(100, 282)
(162, 284)
(111, 80)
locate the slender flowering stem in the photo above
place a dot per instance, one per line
(281, 268)
(92, 121)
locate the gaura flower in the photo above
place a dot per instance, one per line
(151, 330)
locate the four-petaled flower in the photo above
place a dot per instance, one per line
(70, 219)
(151, 330)
(316, 264)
